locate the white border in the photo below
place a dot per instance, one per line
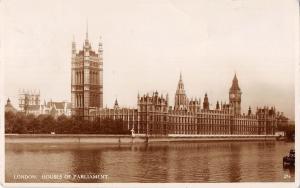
(2, 147)
(297, 100)
(150, 185)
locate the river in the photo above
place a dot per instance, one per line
(256, 161)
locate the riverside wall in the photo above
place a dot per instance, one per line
(126, 139)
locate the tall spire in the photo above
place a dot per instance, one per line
(180, 78)
(87, 30)
(116, 105)
(73, 46)
(180, 83)
(87, 43)
(235, 83)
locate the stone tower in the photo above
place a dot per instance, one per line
(181, 101)
(86, 79)
(235, 96)
(28, 100)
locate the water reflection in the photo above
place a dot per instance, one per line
(155, 162)
(234, 163)
(86, 162)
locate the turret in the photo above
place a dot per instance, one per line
(217, 106)
(73, 48)
(100, 48)
(8, 102)
(167, 98)
(205, 102)
(249, 111)
(116, 105)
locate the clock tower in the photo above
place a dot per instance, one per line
(235, 96)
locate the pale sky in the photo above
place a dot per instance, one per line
(147, 43)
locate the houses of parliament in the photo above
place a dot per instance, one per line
(154, 115)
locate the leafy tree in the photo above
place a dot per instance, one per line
(20, 123)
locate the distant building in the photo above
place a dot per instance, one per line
(87, 79)
(9, 107)
(29, 103)
(56, 109)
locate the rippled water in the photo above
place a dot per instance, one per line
(158, 162)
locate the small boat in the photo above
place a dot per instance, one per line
(289, 161)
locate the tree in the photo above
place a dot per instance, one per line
(45, 124)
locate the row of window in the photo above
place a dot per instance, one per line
(184, 120)
(153, 108)
(181, 129)
(78, 77)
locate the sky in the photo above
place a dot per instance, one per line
(148, 43)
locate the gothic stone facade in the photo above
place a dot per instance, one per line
(29, 101)
(87, 79)
(154, 115)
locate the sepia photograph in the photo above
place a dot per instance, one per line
(143, 91)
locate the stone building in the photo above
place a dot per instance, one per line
(129, 116)
(56, 109)
(29, 101)
(86, 79)
(153, 112)
(155, 116)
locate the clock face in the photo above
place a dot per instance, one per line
(232, 95)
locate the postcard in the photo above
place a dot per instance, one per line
(169, 92)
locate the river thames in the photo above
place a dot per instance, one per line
(255, 161)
